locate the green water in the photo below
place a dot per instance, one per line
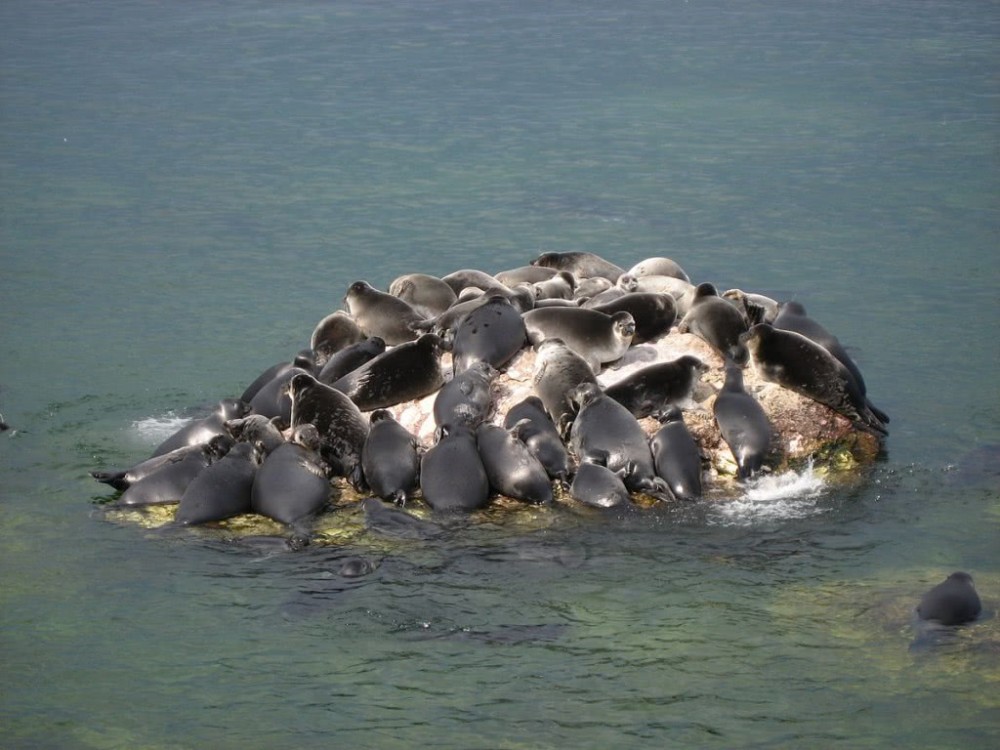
(185, 189)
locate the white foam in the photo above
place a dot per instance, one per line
(778, 497)
(157, 429)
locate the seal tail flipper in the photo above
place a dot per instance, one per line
(879, 414)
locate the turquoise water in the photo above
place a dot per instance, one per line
(185, 189)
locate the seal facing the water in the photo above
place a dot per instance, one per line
(954, 601)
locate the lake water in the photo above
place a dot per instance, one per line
(186, 188)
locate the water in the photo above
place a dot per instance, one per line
(187, 189)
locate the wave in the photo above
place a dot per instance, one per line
(778, 497)
(155, 430)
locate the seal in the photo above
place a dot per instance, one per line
(558, 370)
(466, 398)
(258, 430)
(560, 286)
(291, 486)
(650, 390)
(954, 601)
(654, 314)
(718, 322)
(166, 483)
(333, 333)
(581, 264)
(529, 421)
(512, 470)
(426, 294)
(395, 522)
(304, 360)
(792, 317)
(452, 476)
(341, 426)
(272, 400)
(596, 485)
(389, 459)
(756, 307)
(381, 314)
(676, 456)
(221, 490)
(493, 332)
(800, 364)
(589, 288)
(596, 337)
(203, 430)
(524, 275)
(743, 424)
(470, 277)
(606, 430)
(122, 479)
(350, 358)
(659, 266)
(406, 372)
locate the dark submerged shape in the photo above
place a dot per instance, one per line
(954, 601)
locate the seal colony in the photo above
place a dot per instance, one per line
(569, 380)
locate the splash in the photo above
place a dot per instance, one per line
(155, 430)
(779, 497)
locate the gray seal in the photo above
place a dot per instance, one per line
(466, 398)
(472, 278)
(304, 360)
(654, 314)
(954, 601)
(452, 475)
(203, 430)
(381, 314)
(596, 485)
(426, 294)
(560, 286)
(758, 308)
(792, 316)
(389, 459)
(122, 479)
(166, 482)
(659, 266)
(221, 490)
(512, 470)
(532, 425)
(650, 390)
(596, 337)
(524, 275)
(558, 370)
(350, 358)
(258, 430)
(272, 400)
(341, 426)
(406, 372)
(743, 424)
(581, 264)
(800, 364)
(291, 486)
(333, 333)
(606, 430)
(676, 456)
(718, 322)
(493, 332)
(396, 522)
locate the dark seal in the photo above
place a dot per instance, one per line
(406, 372)
(954, 601)
(743, 424)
